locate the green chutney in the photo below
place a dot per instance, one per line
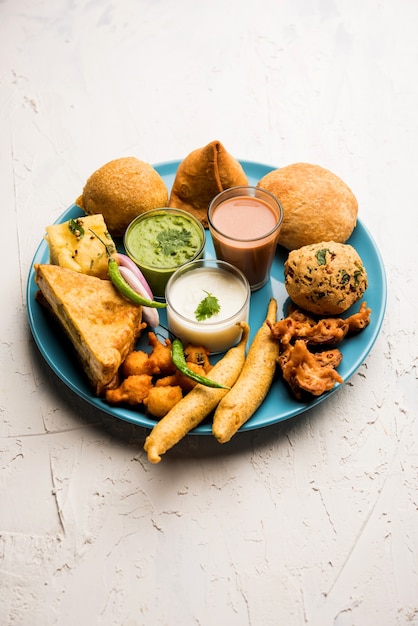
(161, 240)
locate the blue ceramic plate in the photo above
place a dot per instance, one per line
(279, 404)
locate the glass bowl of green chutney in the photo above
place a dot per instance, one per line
(160, 241)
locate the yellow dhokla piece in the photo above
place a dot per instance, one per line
(73, 245)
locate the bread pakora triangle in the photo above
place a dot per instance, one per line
(101, 324)
(203, 174)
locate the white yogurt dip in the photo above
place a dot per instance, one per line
(186, 290)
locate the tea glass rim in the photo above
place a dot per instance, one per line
(230, 191)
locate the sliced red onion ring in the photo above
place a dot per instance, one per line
(125, 261)
(149, 314)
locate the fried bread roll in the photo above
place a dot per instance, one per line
(121, 190)
(317, 204)
(203, 174)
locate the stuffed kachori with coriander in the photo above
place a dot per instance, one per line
(325, 278)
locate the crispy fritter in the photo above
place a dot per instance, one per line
(198, 355)
(328, 330)
(305, 371)
(161, 399)
(138, 362)
(160, 357)
(313, 371)
(360, 320)
(133, 390)
(158, 362)
(180, 379)
(253, 384)
(153, 380)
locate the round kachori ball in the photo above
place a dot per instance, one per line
(121, 190)
(317, 204)
(325, 278)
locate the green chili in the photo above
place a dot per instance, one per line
(120, 283)
(179, 360)
(126, 290)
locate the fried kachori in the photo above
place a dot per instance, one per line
(121, 190)
(325, 278)
(317, 204)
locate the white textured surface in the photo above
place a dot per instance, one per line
(313, 521)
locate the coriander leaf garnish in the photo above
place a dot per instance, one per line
(321, 256)
(76, 227)
(207, 307)
(345, 277)
(170, 239)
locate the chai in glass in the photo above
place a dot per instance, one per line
(244, 223)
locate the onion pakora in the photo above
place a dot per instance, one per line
(308, 370)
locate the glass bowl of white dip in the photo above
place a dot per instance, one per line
(206, 301)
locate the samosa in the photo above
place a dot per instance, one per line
(203, 174)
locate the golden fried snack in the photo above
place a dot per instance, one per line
(185, 382)
(309, 372)
(160, 357)
(317, 204)
(197, 404)
(161, 399)
(253, 384)
(158, 362)
(360, 320)
(203, 174)
(101, 324)
(328, 330)
(122, 189)
(198, 355)
(325, 278)
(133, 390)
(138, 362)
